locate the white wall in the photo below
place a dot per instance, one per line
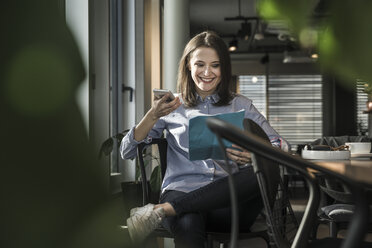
(77, 20)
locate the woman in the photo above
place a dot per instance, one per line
(195, 194)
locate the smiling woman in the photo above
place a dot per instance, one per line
(206, 57)
(195, 193)
(205, 70)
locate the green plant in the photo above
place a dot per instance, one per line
(108, 145)
(155, 178)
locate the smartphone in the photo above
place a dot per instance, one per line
(159, 93)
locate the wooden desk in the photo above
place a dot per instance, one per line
(357, 170)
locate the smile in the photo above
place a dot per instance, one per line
(206, 80)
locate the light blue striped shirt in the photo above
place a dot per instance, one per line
(183, 174)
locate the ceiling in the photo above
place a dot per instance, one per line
(211, 14)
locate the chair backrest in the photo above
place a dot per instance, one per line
(282, 224)
(265, 168)
(149, 195)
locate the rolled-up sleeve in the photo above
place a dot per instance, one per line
(128, 146)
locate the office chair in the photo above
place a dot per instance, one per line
(258, 230)
(262, 151)
(337, 207)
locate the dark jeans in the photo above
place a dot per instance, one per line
(208, 208)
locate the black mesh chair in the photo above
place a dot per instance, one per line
(277, 205)
(337, 206)
(258, 230)
(261, 153)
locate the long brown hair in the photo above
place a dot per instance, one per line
(186, 85)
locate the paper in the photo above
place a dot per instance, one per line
(203, 144)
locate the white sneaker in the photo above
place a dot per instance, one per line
(134, 210)
(143, 221)
(141, 210)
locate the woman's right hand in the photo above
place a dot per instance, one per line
(161, 107)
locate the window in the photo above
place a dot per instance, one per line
(254, 87)
(291, 103)
(362, 118)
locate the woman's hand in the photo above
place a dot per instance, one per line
(161, 107)
(240, 156)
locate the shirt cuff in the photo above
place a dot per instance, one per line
(281, 143)
(147, 140)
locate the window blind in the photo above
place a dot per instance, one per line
(295, 107)
(361, 98)
(293, 104)
(254, 87)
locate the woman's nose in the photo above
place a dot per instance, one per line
(206, 71)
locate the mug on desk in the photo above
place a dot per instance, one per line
(359, 147)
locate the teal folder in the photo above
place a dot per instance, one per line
(203, 144)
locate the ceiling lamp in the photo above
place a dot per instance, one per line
(314, 56)
(259, 34)
(298, 57)
(233, 45)
(245, 30)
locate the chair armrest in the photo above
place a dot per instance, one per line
(162, 146)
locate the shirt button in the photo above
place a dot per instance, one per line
(205, 106)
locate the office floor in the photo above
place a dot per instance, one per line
(298, 201)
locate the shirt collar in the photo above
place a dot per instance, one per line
(214, 98)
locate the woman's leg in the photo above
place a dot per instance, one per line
(219, 220)
(210, 197)
(216, 194)
(188, 228)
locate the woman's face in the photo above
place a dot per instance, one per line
(205, 70)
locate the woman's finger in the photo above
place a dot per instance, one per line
(241, 151)
(236, 152)
(238, 156)
(164, 108)
(238, 147)
(232, 157)
(238, 159)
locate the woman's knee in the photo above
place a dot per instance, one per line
(190, 222)
(189, 230)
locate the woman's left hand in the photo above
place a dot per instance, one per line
(239, 155)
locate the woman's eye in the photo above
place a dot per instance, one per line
(199, 65)
(216, 65)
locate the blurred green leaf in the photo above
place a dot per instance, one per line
(344, 32)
